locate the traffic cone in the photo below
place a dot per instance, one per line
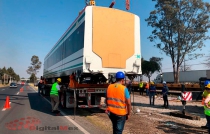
(7, 105)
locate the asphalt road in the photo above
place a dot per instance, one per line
(31, 113)
(6, 91)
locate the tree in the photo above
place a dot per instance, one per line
(149, 67)
(35, 66)
(1, 74)
(180, 28)
(33, 77)
(5, 75)
(17, 78)
(207, 63)
(157, 60)
(11, 72)
(4, 70)
(185, 67)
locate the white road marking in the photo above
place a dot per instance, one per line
(5, 108)
(2, 89)
(17, 93)
(69, 119)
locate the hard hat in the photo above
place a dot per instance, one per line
(152, 83)
(206, 82)
(59, 79)
(208, 86)
(146, 81)
(164, 82)
(120, 75)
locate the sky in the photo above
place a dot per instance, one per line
(32, 27)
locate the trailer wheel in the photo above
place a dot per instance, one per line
(64, 100)
(44, 92)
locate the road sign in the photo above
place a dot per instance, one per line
(187, 96)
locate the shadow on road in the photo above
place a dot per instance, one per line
(38, 103)
(14, 97)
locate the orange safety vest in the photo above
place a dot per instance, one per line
(73, 82)
(116, 99)
(147, 86)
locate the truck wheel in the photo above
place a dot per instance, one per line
(43, 91)
(64, 100)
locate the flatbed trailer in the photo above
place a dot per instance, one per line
(174, 86)
(81, 95)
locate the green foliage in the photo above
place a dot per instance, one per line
(4, 70)
(33, 78)
(180, 27)
(9, 72)
(35, 65)
(149, 67)
(1, 73)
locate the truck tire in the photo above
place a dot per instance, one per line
(44, 92)
(64, 99)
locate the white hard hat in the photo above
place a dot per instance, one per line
(146, 81)
(164, 82)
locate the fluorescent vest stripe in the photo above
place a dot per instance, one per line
(207, 111)
(116, 99)
(54, 90)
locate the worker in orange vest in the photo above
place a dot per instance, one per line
(147, 88)
(118, 103)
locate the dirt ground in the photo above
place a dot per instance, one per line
(156, 119)
(3, 85)
(150, 119)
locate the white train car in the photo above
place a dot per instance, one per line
(100, 41)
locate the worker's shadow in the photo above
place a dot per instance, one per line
(42, 104)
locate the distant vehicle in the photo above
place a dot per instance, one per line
(19, 83)
(192, 76)
(13, 85)
(22, 83)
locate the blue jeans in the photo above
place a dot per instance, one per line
(147, 92)
(118, 123)
(165, 99)
(152, 99)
